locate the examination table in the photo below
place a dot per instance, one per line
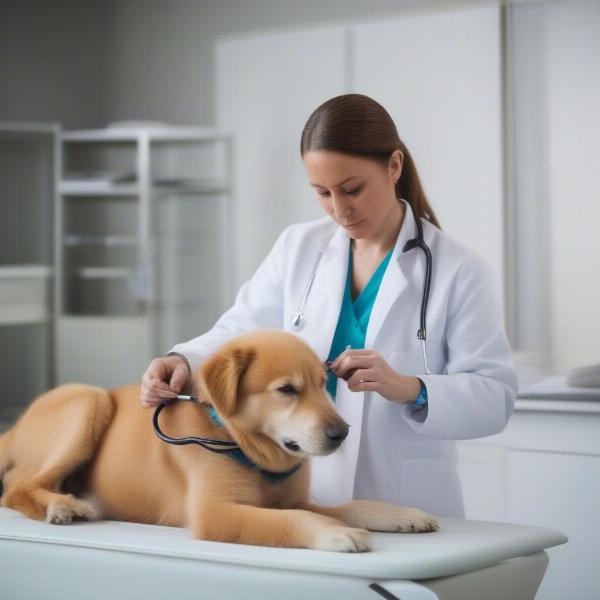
(104, 560)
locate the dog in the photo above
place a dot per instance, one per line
(80, 452)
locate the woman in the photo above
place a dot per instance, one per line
(351, 285)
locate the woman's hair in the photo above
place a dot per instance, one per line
(358, 125)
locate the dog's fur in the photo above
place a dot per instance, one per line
(82, 452)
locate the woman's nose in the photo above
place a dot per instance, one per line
(340, 208)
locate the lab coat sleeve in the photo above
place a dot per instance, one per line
(258, 305)
(476, 397)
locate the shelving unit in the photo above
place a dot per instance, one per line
(29, 164)
(142, 260)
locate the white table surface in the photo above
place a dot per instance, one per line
(460, 545)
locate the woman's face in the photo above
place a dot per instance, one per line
(356, 192)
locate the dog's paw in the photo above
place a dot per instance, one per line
(342, 539)
(401, 519)
(64, 511)
(384, 516)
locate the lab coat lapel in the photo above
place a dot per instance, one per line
(323, 307)
(394, 282)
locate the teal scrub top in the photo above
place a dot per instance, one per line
(354, 316)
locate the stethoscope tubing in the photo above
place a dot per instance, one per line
(201, 441)
(299, 314)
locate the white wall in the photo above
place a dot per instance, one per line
(53, 62)
(573, 89)
(161, 53)
(556, 67)
(528, 147)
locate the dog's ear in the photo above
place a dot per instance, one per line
(221, 374)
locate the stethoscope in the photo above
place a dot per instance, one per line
(223, 446)
(298, 319)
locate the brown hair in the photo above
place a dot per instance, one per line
(358, 125)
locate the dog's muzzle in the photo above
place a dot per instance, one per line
(336, 434)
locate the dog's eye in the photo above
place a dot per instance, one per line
(287, 389)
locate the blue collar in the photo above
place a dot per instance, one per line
(240, 457)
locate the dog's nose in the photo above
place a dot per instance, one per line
(337, 433)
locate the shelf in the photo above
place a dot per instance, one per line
(195, 304)
(103, 272)
(23, 315)
(8, 129)
(124, 189)
(98, 189)
(100, 240)
(157, 134)
(165, 192)
(190, 186)
(24, 271)
(183, 243)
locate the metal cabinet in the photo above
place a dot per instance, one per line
(143, 259)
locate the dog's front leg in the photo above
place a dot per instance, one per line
(377, 516)
(289, 528)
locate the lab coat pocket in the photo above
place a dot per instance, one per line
(413, 362)
(407, 363)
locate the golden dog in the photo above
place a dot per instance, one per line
(82, 452)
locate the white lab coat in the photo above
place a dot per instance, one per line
(393, 453)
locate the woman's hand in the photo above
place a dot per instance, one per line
(367, 371)
(163, 380)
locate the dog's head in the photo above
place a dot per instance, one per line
(271, 383)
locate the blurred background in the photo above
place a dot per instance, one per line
(149, 158)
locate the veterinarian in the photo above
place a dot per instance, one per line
(352, 285)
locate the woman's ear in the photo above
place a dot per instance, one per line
(396, 163)
(221, 374)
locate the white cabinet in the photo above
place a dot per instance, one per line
(143, 258)
(29, 161)
(544, 469)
